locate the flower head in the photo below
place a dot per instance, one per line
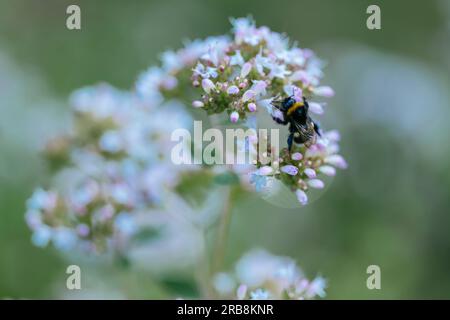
(260, 275)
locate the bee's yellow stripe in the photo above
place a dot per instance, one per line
(294, 107)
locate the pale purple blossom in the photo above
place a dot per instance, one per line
(337, 161)
(297, 156)
(241, 292)
(248, 95)
(259, 294)
(315, 107)
(207, 85)
(234, 116)
(301, 196)
(324, 91)
(233, 90)
(252, 107)
(310, 173)
(316, 183)
(261, 275)
(246, 68)
(265, 170)
(328, 170)
(289, 169)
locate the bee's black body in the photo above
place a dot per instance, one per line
(295, 114)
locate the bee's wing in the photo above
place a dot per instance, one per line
(306, 130)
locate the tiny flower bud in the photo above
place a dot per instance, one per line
(333, 135)
(301, 196)
(315, 107)
(310, 173)
(328, 170)
(197, 104)
(316, 183)
(297, 156)
(246, 68)
(264, 171)
(241, 292)
(337, 161)
(252, 107)
(233, 90)
(82, 230)
(289, 169)
(248, 95)
(324, 91)
(234, 116)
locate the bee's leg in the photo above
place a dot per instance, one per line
(290, 140)
(317, 128)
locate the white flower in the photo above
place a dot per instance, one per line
(265, 171)
(237, 59)
(324, 91)
(197, 104)
(259, 294)
(246, 68)
(205, 72)
(337, 161)
(111, 141)
(208, 85)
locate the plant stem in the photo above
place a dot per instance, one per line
(203, 277)
(222, 235)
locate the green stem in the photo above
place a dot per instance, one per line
(202, 274)
(222, 235)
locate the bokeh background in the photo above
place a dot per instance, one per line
(390, 208)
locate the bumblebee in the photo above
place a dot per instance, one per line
(302, 129)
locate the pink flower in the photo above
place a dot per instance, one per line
(252, 107)
(316, 183)
(234, 116)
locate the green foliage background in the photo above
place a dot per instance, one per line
(390, 208)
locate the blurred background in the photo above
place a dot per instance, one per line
(390, 208)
